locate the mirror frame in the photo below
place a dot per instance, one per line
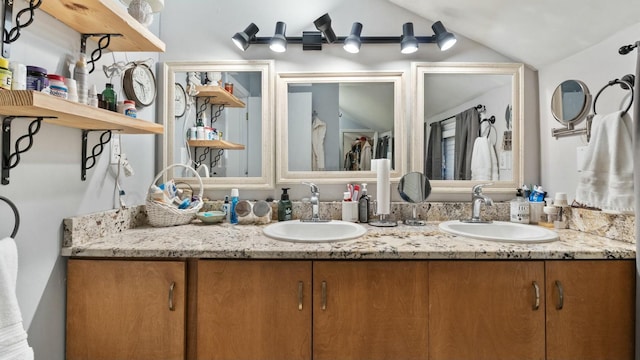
(516, 71)
(285, 176)
(266, 67)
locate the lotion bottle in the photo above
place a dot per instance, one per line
(285, 211)
(519, 209)
(363, 205)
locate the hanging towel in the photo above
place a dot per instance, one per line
(484, 161)
(13, 338)
(318, 131)
(606, 181)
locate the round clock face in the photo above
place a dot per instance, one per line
(180, 103)
(140, 85)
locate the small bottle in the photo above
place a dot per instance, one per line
(80, 74)
(5, 74)
(110, 98)
(285, 210)
(226, 207)
(56, 86)
(234, 201)
(92, 98)
(200, 126)
(520, 209)
(129, 108)
(363, 205)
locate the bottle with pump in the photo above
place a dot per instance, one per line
(235, 194)
(363, 205)
(520, 209)
(285, 211)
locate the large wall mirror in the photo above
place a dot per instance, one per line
(467, 122)
(218, 119)
(331, 125)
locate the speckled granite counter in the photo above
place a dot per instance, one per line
(247, 241)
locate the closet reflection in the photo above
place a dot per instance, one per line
(466, 132)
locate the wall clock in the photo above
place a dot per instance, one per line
(180, 101)
(139, 85)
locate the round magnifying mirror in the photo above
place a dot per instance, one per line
(414, 188)
(570, 102)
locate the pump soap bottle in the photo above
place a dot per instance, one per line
(285, 211)
(363, 205)
(520, 209)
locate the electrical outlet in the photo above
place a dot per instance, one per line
(115, 149)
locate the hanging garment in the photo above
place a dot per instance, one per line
(365, 156)
(484, 161)
(318, 132)
(433, 161)
(467, 125)
(606, 181)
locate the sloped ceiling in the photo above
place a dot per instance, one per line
(535, 32)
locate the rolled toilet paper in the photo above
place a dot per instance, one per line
(383, 186)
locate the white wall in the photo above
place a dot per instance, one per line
(46, 185)
(595, 67)
(202, 30)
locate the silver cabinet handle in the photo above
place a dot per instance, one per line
(171, 287)
(300, 295)
(324, 295)
(560, 304)
(536, 288)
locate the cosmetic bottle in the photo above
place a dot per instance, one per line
(520, 209)
(363, 205)
(285, 211)
(226, 207)
(234, 201)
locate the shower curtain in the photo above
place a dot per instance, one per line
(433, 162)
(467, 126)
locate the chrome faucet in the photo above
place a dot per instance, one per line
(314, 199)
(477, 198)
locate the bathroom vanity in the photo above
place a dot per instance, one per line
(229, 292)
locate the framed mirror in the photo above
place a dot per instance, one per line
(226, 130)
(463, 135)
(330, 126)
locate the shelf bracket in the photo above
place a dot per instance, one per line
(103, 43)
(89, 161)
(9, 160)
(10, 34)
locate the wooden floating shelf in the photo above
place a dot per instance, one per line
(216, 144)
(220, 96)
(105, 17)
(67, 113)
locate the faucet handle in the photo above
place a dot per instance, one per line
(477, 189)
(314, 187)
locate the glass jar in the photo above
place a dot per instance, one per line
(36, 78)
(57, 87)
(5, 74)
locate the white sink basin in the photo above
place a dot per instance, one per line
(300, 231)
(500, 231)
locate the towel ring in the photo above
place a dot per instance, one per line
(16, 213)
(626, 83)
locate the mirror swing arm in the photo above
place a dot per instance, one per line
(570, 130)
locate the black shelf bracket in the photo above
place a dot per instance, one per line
(89, 161)
(9, 160)
(11, 34)
(103, 43)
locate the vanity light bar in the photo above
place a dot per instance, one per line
(313, 40)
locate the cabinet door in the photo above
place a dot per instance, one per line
(254, 310)
(125, 310)
(486, 310)
(596, 317)
(370, 310)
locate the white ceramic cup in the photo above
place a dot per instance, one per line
(350, 211)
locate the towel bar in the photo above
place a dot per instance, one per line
(16, 213)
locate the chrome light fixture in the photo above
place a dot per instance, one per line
(352, 42)
(279, 41)
(444, 39)
(313, 40)
(323, 24)
(242, 39)
(409, 43)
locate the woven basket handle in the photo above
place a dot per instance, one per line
(201, 192)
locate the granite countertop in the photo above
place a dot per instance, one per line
(225, 241)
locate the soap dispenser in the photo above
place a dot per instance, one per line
(363, 205)
(285, 211)
(520, 209)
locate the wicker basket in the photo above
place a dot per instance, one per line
(161, 214)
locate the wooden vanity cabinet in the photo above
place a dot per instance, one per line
(125, 310)
(486, 310)
(590, 309)
(253, 309)
(370, 310)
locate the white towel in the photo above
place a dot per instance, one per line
(606, 181)
(13, 338)
(484, 161)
